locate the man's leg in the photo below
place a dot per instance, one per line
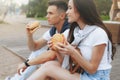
(30, 69)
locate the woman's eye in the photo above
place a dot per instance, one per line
(70, 8)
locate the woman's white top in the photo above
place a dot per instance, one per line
(96, 37)
(91, 36)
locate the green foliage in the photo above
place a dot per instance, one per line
(103, 6)
(41, 18)
(37, 8)
(105, 17)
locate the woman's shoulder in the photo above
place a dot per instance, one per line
(99, 35)
(99, 30)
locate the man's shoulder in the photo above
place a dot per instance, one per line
(65, 26)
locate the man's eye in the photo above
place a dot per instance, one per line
(50, 13)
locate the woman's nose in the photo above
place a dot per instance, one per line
(67, 12)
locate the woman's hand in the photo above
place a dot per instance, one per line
(59, 56)
(65, 48)
(21, 68)
(49, 44)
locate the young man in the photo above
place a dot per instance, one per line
(56, 16)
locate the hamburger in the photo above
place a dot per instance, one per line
(57, 38)
(34, 25)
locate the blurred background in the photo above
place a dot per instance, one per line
(37, 8)
(15, 14)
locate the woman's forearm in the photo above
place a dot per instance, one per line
(86, 65)
(90, 66)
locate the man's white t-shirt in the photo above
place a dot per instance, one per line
(47, 35)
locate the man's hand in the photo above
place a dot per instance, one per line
(28, 31)
(32, 27)
(21, 68)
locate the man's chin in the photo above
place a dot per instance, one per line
(69, 21)
(49, 23)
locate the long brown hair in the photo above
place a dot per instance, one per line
(88, 13)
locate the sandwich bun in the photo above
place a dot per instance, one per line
(57, 38)
(34, 25)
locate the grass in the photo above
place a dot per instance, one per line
(105, 17)
(41, 18)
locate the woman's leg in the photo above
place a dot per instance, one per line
(53, 69)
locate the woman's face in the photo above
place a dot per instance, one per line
(73, 15)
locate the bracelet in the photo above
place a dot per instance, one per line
(26, 63)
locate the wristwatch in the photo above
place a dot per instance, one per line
(26, 63)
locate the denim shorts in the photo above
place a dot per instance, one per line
(99, 75)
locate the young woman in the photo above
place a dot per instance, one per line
(93, 40)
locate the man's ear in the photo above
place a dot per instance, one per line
(62, 15)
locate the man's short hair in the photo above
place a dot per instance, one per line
(60, 4)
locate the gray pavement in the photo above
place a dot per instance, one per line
(13, 36)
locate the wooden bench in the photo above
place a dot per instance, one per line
(114, 27)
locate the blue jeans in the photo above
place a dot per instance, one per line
(99, 75)
(30, 69)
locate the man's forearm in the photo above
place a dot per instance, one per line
(31, 43)
(46, 56)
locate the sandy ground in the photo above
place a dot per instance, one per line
(13, 36)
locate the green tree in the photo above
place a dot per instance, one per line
(103, 6)
(37, 8)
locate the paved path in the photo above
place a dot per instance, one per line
(13, 36)
(8, 62)
(115, 75)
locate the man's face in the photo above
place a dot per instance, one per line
(53, 15)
